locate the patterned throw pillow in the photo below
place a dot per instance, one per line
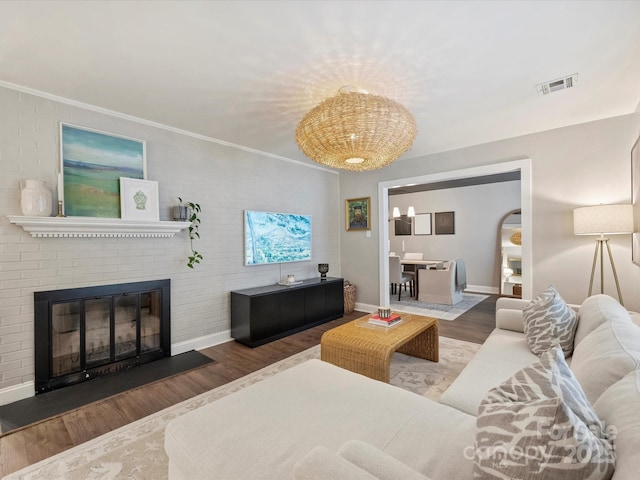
(539, 425)
(549, 377)
(549, 321)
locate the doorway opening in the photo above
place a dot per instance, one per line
(523, 166)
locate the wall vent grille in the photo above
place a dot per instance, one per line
(558, 84)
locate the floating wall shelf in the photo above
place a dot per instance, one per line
(95, 227)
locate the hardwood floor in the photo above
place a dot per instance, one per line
(25, 446)
(474, 325)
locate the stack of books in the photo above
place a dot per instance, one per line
(394, 319)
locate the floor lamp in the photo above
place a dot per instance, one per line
(603, 220)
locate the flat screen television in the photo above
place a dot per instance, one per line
(276, 237)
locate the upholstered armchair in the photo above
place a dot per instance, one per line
(444, 286)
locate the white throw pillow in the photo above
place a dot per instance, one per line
(539, 424)
(549, 321)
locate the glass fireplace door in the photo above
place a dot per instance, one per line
(150, 313)
(126, 319)
(97, 314)
(84, 334)
(65, 338)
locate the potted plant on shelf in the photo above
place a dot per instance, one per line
(193, 217)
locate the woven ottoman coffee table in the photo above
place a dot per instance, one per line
(368, 349)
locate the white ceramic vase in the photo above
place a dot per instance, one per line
(35, 199)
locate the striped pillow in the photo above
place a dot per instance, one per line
(549, 321)
(539, 424)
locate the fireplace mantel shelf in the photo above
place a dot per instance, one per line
(95, 227)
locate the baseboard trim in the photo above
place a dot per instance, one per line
(17, 392)
(201, 342)
(482, 289)
(365, 307)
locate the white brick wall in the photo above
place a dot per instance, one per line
(224, 180)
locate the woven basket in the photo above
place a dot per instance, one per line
(349, 297)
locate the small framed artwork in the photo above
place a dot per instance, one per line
(139, 199)
(422, 224)
(91, 162)
(635, 201)
(358, 214)
(403, 225)
(444, 223)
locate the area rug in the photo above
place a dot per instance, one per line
(136, 451)
(436, 310)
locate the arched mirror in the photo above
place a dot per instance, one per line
(510, 235)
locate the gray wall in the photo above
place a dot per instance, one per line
(574, 166)
(224, 180)
(478, 211)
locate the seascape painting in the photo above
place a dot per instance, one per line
(92, 164)
(276, 237)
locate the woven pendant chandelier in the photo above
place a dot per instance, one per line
(356, 131)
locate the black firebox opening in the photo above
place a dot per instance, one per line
(84, 333)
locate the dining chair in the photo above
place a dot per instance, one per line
(398, 278)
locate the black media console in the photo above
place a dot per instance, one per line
(263, 314)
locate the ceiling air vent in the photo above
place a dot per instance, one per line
(557, 84)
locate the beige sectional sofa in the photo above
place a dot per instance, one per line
(317, 421)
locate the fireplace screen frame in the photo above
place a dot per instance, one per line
(47, 372)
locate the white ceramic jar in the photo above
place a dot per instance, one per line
(35, 199)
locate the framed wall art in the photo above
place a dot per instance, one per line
(403, 225)
(92, 163)
(358, 214)
(444, 223)
(635, 201)
(139, 199)
(422, 224)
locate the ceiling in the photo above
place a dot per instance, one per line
(245, 72)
